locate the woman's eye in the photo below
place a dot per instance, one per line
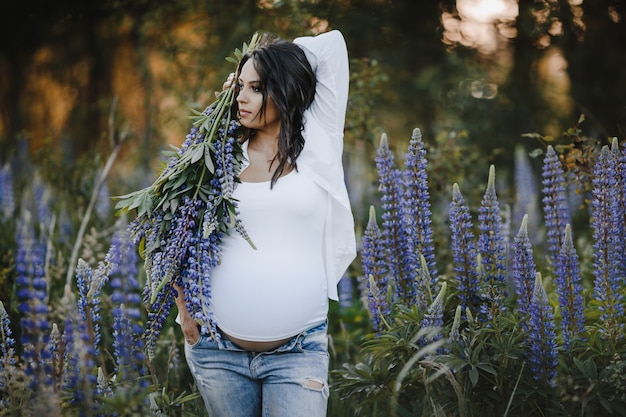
(256, 89)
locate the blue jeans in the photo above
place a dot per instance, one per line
(290, 381)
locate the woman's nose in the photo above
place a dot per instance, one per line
(241, 96)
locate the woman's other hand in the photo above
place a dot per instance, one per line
(227, 84)
(188, 325)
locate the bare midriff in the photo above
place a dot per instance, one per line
(256, 346)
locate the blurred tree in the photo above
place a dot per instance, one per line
(593, 40)
(62, 63)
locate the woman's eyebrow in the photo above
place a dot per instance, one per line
(250, 82)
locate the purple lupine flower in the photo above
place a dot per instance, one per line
(608, 244)
(345, 292)
(570, 290)
(375, 271)
(542, 353)
(621, 178)
(203, 256)
(7, 196)
(455, 332)
(127, 344)
(123, 273)
(433, 318)
(7, 343)
(416, 209)
(158, 313)
(103, 203)
(79, 380)
(492, 250)
(523, 271)
(464, 251)
(7, 354)
(525, 189)
(555, 207)
(65, 234)
(32, 295)
(88, 303)
(399, 248)
(42, 198)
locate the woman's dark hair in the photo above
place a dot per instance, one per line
(287, 77)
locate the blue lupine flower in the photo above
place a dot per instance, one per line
(158, 313)
(464, 252)
(103, 203)
(399, 248)
(32, 297)
(556, 209)
(525, 189)
(608, 243)
(89, 302)
(42, 198)
(523, 271)
(78, 378)
(127, 344)
(542, 353)
(7, 196)
(455, 333)
(416, 208)
(345, 292)
(7, 343)
(433, 318)
(123, 273)
(65, 234)
(492, 250)
(621, 178)
(375, 270)
(570, 290)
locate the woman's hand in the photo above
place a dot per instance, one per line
(187, 324)
(227, 84)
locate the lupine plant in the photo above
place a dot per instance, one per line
(511, 343)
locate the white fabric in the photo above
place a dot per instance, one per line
(321, 156)
(321, 159)
(279, 289)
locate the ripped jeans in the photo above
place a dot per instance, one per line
(290, 381)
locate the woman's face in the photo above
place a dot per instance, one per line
(250, 102)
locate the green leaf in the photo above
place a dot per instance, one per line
(587, 368)
(207, 158)
(179, 181)
(473, 376)
(197, 154)
(487, 368)
(174, 205)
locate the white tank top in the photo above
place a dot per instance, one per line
(280, 289)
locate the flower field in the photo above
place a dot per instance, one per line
(468, 308)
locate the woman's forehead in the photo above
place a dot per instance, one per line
(249, 73)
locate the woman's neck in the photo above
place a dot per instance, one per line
(264, 143)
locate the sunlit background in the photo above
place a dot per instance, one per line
(492, 68)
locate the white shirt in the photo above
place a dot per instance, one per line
(277, 290)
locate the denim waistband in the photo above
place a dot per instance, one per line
(225, 344)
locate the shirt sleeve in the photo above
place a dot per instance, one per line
(321, 157)
(328, 56)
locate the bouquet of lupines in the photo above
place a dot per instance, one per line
(182, 216)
